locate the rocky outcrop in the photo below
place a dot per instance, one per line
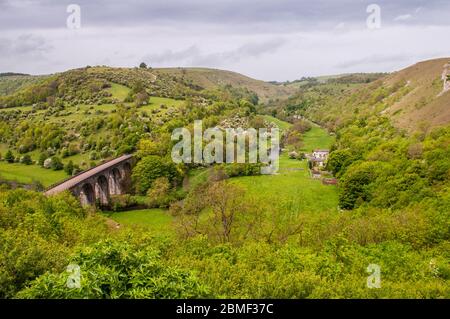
(446, 78)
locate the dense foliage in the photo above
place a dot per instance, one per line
(394, 202)
(327, 258)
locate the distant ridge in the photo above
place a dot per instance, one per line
(13, 74)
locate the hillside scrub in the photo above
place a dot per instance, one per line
(326, 258)
(233, 232)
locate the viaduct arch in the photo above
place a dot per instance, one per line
(96, 185)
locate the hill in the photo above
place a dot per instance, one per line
(90, 84)
(428, 97)
(412, 99)
(274, 236)
(211, 78)
(11, 82)
(86, 115)
(348, 78)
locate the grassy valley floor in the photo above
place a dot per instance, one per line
(291, 191)
(293, 188)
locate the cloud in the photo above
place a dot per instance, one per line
(195, 57)
(266, 39)
(24, 45)
(403, 17)
(230, 14)
(373, 59)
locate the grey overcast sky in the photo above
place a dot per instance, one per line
(265, 39)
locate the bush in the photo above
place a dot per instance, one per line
(121, 202)
(293, 155)
(37, 234)
(56, 163)
(9, 157)
(242, 169)
(159, 194)
(47, 163)
(42, 158)
(150, 168)
(133, 271)
(26, 159)
(69, 168)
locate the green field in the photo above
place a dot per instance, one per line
(119, 91)
(156, 102)
(155, 220)
(28, 173)
(293, 188)
(281, 124)
(316, 138)
(290, 191)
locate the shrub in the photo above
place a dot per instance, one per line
(159, 194)
(150, 168)
(56, 163)
(26, 159)
(121, 202)
(133, 271)
(9, 157)
(69, 168)
(241, 169)
(47, 163)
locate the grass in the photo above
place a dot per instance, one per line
(24, 108)
(316, 138)
(155, 220)
(77, 159)
(196, 177)
(28, 173)
(293, 188)
(156, 102)
(119, 91)
(281, 124)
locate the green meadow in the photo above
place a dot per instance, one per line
(292, 188)
(119, 91)
(157, 221)
(316, 138)
(29, 173)
(282, 125)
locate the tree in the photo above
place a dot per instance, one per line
(231, 216)
(159, 147)
(301, 126)
(226, 201)
(158, 194)
(9, 157)
(42, 158)
(47, 163)
(141, 98)
(56, 164)
(26, 159)
(355, 184)
(150, 168)
(69, 168)
(339, 160)
(143, 65)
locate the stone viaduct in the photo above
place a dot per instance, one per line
(96, 185)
